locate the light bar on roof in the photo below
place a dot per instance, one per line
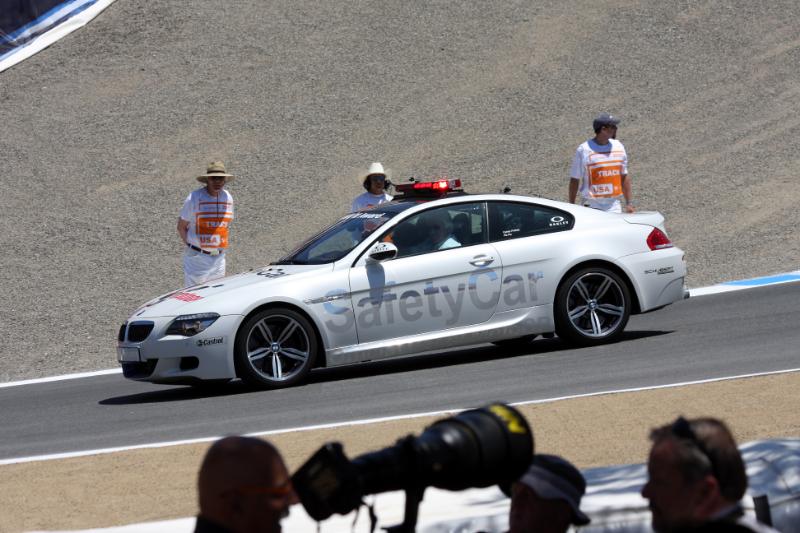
(436, 186)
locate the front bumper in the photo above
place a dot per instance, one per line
(161, 358)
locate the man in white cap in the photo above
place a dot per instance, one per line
(547, 498)
(375, 184)
(204, 224)
(600, 169)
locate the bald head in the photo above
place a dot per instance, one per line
(244, 485)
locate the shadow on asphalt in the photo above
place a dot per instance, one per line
(452, 357)
(179, 394)
(455, 357)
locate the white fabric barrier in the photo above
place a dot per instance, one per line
(37, 34)
(612, 501)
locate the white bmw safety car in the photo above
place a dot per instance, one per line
(435, 268)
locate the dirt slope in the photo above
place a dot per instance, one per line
(104, 132)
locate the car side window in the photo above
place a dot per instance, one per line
(440, 228)
(509, 220)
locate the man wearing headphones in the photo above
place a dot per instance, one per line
(600, 169)
(375, 184)
(697, 478)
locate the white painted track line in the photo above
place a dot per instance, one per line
(728, 286)
(79, 375)
(373, 420)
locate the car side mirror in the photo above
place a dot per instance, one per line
(382, 251)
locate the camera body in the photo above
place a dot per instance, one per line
(476, 448)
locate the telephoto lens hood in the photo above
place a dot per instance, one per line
(476, 448)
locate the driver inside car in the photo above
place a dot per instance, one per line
(439, 230)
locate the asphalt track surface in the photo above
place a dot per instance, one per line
(706, 337)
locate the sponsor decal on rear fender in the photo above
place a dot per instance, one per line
(659, 271)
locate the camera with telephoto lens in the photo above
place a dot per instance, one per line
(476, 448)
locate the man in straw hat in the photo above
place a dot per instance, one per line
(375, 183)
(203, 226)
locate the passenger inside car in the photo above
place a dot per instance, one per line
(461, 229)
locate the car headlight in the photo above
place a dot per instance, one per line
(188, 325)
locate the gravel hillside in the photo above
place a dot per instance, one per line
(104, 131)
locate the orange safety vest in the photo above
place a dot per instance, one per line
(604, 172)
(211, 224)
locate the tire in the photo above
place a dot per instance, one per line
(592, 307)
(275, 348)
(516, 344)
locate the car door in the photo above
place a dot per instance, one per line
(436, 282)
(530, 240)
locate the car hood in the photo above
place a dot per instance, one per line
(197, 299)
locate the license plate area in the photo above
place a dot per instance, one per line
(127, 354)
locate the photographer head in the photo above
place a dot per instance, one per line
(243, 487)
(696, 474)
(547, 498)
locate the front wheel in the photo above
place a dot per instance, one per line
(275, 348)
(592, 307)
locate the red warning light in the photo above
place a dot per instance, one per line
(440, 186)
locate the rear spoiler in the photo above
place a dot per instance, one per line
(649, 218)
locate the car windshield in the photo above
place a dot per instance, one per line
(336, 241)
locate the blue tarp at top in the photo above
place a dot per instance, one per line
(23, 21)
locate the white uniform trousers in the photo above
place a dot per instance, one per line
(199, 267)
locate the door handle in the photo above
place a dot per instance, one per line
(481, 260)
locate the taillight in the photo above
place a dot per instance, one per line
(658, 240)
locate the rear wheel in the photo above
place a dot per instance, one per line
(592, 306)
(275, 348)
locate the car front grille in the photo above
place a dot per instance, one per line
(139, 370)
(138, 331)
(121, 334)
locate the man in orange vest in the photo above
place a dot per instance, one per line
(600, 170)
(203, 226)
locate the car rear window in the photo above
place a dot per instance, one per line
(511, 220)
